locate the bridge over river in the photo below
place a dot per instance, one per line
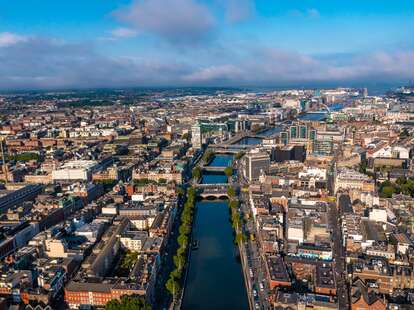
(214, 169)
(212, 190)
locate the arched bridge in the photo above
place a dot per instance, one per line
(212, 190)
(214, 169)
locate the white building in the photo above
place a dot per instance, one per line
(256, 163)
(392, 152)
(76, 170)
(196, 136)
(378, 215)
(133, 241)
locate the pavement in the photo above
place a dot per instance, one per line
(258, 297)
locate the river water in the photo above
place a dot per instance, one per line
(215, 280)
(249, 141)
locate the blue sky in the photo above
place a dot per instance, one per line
(115, 43)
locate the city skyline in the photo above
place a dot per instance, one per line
(154, 43)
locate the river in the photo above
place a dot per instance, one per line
(249, 141)
(215, 279)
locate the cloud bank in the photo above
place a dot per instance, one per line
(47, 63)
(179, 22)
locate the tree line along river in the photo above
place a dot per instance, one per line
(215, 279)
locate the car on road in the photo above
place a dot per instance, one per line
(261, 286)
(256, 306)
(254, 293)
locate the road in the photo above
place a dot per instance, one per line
(339, 256)
(255, 271)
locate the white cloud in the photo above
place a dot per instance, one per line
(177, 21)
(237, 10)
(123, 32)
(8, 38)
(50, 63)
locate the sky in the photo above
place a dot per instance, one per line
(58, 44)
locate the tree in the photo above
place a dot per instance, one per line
(228, 171)
(179, 261)
(129, 260)
(231, 192)
(127, 303)
(24, 157)
(208, 156)
(196, 173)
(387, 191)
(363, 166)
(182, 241)
(185, 136)
(404, 133)
(184, 229)
(172, 286)
(180, 191)
(240, 238)
(176, 274)
(191, 192)
(113, 304)
(239, 155)
(234, 204)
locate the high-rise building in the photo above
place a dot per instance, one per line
(323, 147)
(303, 132)
(284, 137)
(256, 162)
(196, 136)
(289, 152)
(293, 132)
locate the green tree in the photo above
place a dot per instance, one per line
(191, 192)
(128, 303)
(129, 260)
(234, 204)
(185, 136)
(196, 173)
(231, 192)
(179, 261)
(239, 155)
(24, 157)
(172, 286)
(180, 191)
(240, 238)
(228, 171)
(208, 156)
(113, 304)
(184, 229)
(176, 274)
(182, 241)
(387, 191)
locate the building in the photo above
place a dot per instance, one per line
(325, 280)
(277, 272)
(348, 179)
(256, 163)
(196, 136)
(10, 199)
(289, 152)
(76, 170)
